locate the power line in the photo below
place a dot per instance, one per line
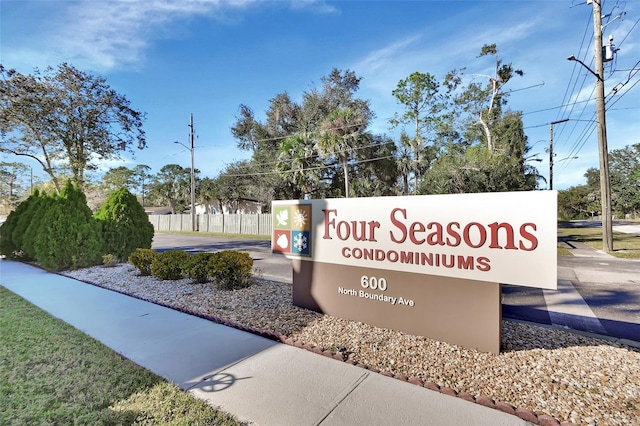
(564, 98)
(555, 107)
(620, 97)
(310, 135)
(272, 163)
(619, 86)
(625, 37)
(325, 166)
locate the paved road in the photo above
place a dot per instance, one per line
(268, 265)
(600, 295)
(597, 293)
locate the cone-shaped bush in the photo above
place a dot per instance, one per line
(36, 223)
(13, 233)
(125, 225)
(71, 238)
(26, 215)
(8, 229)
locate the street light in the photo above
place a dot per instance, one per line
(573, 58)
(193, 187)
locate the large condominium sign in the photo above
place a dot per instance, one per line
(395, 248)
(509, 238)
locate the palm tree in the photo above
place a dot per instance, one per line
(340, 135)
(298, 163)
(404, 163)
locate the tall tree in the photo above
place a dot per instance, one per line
(573, 203)
(624, 170)
(13, 182)
(263, 140)
(172, 185)
(482, 104)
(207, 192)
(485, 147)
(235, 183)
(375, 171)
(341, 136)
(116, 178)
(299, 164)
(142, 178)
(305, 122)
(66, 118)
(624, 173)
(404, 165)
(473, 168)
(424, 104)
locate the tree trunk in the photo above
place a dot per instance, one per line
(346, 176)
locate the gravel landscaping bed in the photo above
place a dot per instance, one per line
(542, 372)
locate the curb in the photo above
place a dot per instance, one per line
(523, 413)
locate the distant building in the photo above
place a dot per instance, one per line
(157, 210)
(244, 206)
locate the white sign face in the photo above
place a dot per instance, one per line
(506, 237)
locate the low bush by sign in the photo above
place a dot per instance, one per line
(229, 269)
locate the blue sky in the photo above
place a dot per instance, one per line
(174, 58)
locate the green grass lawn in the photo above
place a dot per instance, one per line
(624, 245)
(53, 374)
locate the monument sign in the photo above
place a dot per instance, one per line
(425, 265)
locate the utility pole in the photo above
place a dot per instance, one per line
(605, 187)
(194, 225)
(551, 150)
(605, 184)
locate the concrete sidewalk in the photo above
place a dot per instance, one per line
(580, 249)
(257, 380)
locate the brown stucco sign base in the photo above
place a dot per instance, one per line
(463, 312)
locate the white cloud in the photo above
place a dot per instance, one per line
(386, 55)
(105, 35)
(320, 6)
(438, 51)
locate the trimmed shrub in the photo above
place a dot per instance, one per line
(198, 267)
(109, 261)
(7, 231)
(231, 269)
(7, 247)
(40, 208)
(27, 213)
(125, 225)
(13, 230)
(142, 259)
(71, 238)
(169, 265)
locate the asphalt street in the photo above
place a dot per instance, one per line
(267, 265)
(596, 293)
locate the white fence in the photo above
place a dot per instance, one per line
(249, 224)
